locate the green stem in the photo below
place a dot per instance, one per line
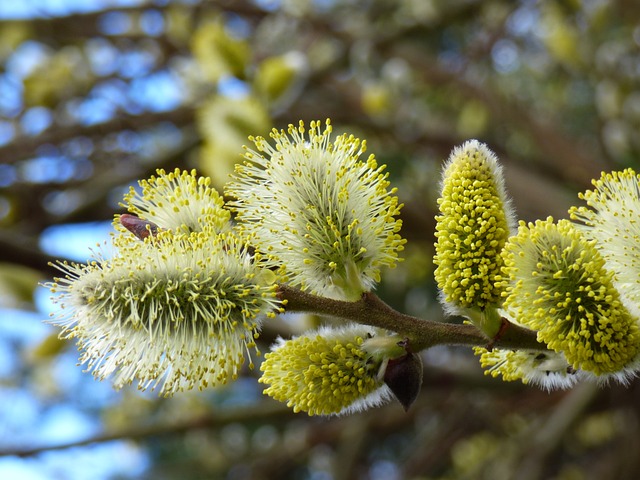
(371, 310)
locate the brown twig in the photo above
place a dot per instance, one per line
(371, 310)
(214, 419)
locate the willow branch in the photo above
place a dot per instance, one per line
(371, 310)
(25, 146)
(260, 413)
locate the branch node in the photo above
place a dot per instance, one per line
(504, 326)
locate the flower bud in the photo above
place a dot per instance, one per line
(325, 372)
(474, 223)
(139, 227)
(403, 376)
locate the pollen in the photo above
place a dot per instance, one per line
(324, 373)
(178, 200)
(323, 212)
(472, 227)
(174, 311)
(560, 287)
(549, 370)
(610, 217)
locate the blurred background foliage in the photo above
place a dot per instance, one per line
(96, 95)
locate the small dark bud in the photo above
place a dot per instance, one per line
(404, 377)
(139, 227)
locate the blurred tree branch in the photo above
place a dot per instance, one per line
(26, 146)
(265, 412)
